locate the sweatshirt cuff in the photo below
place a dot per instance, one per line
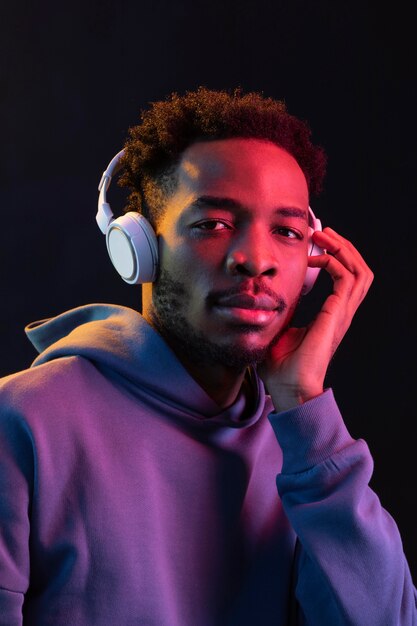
(310, 433)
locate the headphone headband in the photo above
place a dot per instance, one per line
(104, 213)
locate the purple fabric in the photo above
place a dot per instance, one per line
(127, 497)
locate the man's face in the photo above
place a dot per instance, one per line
(233, 251)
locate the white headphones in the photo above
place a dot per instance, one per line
(132, 244)
(131, 240)
(313, 250)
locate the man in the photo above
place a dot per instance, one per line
(139, 454)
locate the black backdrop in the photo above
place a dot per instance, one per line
(73, 79)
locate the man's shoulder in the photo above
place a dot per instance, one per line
(51, 379)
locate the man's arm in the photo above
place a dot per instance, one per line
(16, 485)
(351, 568)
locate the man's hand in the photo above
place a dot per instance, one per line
(296, 366)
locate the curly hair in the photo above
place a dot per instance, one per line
(154, 147)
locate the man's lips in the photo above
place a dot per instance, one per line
(246, 308)
(248, 301)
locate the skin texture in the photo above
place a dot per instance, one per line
(233, 256)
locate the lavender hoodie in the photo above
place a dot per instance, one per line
(127, 497)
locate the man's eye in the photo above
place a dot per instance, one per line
(212, 225)
(288, 233)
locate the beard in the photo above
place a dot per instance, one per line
(170, 299)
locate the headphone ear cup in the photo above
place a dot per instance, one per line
(312, 272)
(133, 248)
(313, 250)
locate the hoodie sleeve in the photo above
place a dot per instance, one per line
(350, 565)
(16, 482)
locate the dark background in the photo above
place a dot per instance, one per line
(74, 77)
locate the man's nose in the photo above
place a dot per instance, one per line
(251, 256)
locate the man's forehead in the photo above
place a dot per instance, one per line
(231, 146)
(233, 165)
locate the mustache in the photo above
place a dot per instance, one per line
(253, 289)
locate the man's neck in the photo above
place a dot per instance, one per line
(219, 382)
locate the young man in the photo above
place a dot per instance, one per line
(146, 477)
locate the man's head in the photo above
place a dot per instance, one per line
(230, 208)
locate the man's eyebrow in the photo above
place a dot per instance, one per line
(230, 203)
(292, 212)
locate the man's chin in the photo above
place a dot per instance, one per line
(246, 351)
(235, 347)
(236, 353)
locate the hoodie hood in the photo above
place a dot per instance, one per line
(120, 342)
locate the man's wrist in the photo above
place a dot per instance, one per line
(285, 398)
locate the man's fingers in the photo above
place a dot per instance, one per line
(351, 281)
(342, 259)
